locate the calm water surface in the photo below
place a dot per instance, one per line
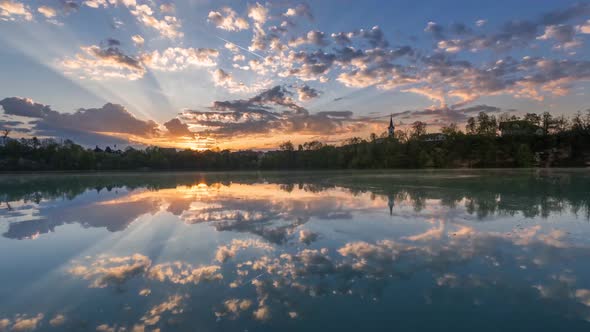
(392, 251)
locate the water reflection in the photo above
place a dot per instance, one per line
(267, 251)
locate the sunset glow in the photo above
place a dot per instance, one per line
(251, 75)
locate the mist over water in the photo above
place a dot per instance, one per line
(409, 250)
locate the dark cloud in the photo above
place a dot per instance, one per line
(70, 6)
(435, 29)
(313, 37)
(446, 115)
(375, 37)
(307, 93)
(24, 107)
(562, 33)
(513, 34)
(271, 110)
(116, 55)
(341, 38)
(112, 42)
(460, 29)
(301, 10)
(111, 118)
(558, 16)
(177, 128)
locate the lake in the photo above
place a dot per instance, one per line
(464, 250)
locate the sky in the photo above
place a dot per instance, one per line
(249, 75)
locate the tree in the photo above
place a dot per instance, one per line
(313, 145)
(561, 124)
(373, 137)
(287, 146)
(401, 136)
(486, 124)
(546, 122)
(471, 126)
(418, 129)
(450, 130)
(505, 117)
(533, 119)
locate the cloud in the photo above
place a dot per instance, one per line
(307, 236)
(383, 76)
(262, 313)
(57, 320)
(258, 13)
(25, 107)
(435, 29)
(273, 110)
(173, 305)
(446, 115)
(234, 307)
(10, 10)
(306, 93)
(301, 10)
(110, 118)
(232, 47)
(229, 251)
(99, 63)
(168, 8)
(221, 78)
(108, 271)
(70, 6)
(375, 37)
(24, 323)
(177, 128)
(314, 37)
(96, 63)
(184, 273)
(168, 27)
(47, 11)
(177, 58)
(137, 40)
(342, 38)
(518, 33)
(562, 33)
(227, 20)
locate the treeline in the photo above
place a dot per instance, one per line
(545, 142)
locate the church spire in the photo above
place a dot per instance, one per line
(391, 128)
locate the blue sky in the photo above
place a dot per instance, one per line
(238, 74)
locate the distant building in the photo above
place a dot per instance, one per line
(391, 128)
(435, 137)
(519, 128)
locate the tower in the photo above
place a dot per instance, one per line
(391, 128)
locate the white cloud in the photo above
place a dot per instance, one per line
(10, 10)
(177, 58)
(138, 40)
(47, 11)
(232, 47)
(228, 20)
(168, 26)
(258, 13)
